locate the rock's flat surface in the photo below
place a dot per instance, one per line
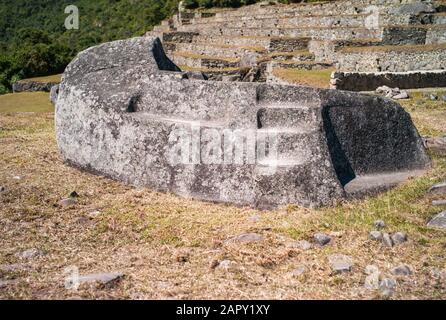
(103, 278)
(246, 238)
(402, 270)
(439, 221)
(340, 263)
(439, 188)
(321, 239)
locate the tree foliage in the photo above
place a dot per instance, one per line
(34, 41)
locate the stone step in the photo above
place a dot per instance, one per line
(392, 58)
(284, 117)
(287, 146)
(352, 21)
(314, 33)
(240, 41)
(194, 60)
(302, 55)
(215, 49)
(300, 65)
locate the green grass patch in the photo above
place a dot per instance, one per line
(311, 78)
(52, 78)
(26, 102)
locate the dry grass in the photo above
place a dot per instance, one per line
(52, 78)
(166, 245)
(25, 102)
(311, 78)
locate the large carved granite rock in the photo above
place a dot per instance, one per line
(124, 110)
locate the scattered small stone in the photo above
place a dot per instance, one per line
(437, 145)
(12, 267)
(439, 188)
(254, 218)
(30, 253)
(399, 238)
(302, 244)
(433, 97)
(2, 189)
(103, 278)
(182, 257)
(376, 236)
(321, 239)
(298, 271)
(387, 287)
(387, 240)
(246, 238)
(226, 265)
(443, 98)
(94, 213)
(402, 95)
(68, 202)
(438, 222)
(372, 280)
(438, 274)
(17, 178)
(394, 93)
(340, 263)
(402, 270)
(6, 283)
(73, 194)
(439, 203)
(380, 224)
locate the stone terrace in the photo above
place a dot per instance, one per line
(353, 38)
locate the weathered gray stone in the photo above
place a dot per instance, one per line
(68, 202)
(32, 86)
(437, 145)
(399, 238)
(30, 253)
(372, 280)
(376, 235)
(7, 283)
(303, 244)
(433, 97)
(246, 238)
(439, 188)
(321, 239)
(195, 75)
(402, 270)
(125, 111)
(387, 240)
(387, 287)
(379, 224)
(54, 92)
(340, 263)
(439, 203)
(226, 265)
(414, 8)
(438, 222)
(103, 278)
(300, 270)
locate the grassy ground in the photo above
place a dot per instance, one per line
(312, 78)
(52, 78)
(168, 246)
(25, 102)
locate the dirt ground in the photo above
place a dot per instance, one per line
(170, 248)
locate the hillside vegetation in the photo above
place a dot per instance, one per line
(34, 41)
